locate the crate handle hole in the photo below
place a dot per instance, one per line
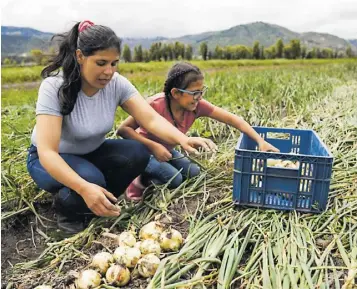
(278, 135)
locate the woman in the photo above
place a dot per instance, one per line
(69, 155)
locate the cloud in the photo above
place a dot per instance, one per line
(171, 18)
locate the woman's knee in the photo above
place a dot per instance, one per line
(139, 155)
(91, 175)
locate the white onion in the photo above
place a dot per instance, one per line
(171, 240)
(101, 261)
(151, 230)
(127, 256)
(150, 247)
(147, 265)
(88, 279)
(44, 287)
(137, 245)
(127, 239)
(118, 275)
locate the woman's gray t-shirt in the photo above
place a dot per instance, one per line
(85, 128)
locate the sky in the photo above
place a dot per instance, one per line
(168, 18)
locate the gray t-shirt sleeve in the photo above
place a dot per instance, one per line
(48, 102)
(124, 89)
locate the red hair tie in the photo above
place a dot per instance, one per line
(84, 25)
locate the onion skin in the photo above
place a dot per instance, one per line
(127, 256)
(170, 240)
(127, 239)
(101, 261)
(150, 247)
(118, 275)
(88, 279)
(151, 231)
(147, 265)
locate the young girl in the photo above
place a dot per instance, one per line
(180, 103)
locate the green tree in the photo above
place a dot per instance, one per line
(349, 52)
(138, 53)
(37, 55)
(279, 48)
(127, 53)
(188, 52)
(218, 52)
(7, 61)
(204, 50)
(256, 50)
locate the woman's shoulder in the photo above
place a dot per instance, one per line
(54, 81)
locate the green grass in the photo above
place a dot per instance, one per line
(26, 74)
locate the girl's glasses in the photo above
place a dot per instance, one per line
(197, 94)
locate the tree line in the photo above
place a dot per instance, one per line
(159, 51)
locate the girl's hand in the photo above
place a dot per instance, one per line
(161, 153)
(264, 146)
(194, 142)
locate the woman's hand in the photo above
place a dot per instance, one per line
(97, 201)
(191, 143)
(160, 152)
(264, 146)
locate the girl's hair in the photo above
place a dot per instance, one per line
(181, 75)
(87, 37)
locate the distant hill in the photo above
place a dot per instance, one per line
(353, 42)
(17, 40)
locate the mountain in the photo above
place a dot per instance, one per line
(267, 35)
(353, 42)
(17, 40)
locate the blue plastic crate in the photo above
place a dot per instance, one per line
(304, 188)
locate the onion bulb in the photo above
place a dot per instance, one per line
(101, 261)
(171, 240)
(118, 275)
(127, 256)
(147, 265)
(137, 245)
(150, 247)
(151, 231)
(127, 239)
(88, 279)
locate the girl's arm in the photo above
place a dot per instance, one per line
(240, 124)
(149, 119)
(127, 130)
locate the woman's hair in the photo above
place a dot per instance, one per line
(181, 75)
(87, 37)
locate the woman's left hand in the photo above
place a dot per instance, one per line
(192, 143)
(264, 146)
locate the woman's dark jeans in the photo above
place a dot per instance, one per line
(114, 165)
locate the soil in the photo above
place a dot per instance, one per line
(22, 242)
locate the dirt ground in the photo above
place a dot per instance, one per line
(22, 239)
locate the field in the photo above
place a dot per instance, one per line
(253, 248)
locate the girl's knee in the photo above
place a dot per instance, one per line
(194, 171)
(176, 181)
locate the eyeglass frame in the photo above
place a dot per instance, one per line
(201, 92)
